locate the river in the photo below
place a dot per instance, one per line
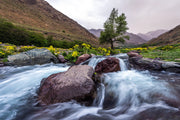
(124, 95)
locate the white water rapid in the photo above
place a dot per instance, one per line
(122, 95)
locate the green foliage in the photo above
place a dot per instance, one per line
(166, 48)
(144, 45)
(84, 48)
(63, 43)
(5, 60)
(19, 36)
(114, 29)
(167, 53)
(64, 54)
(71, 56)
(26, 48)
(171, 55)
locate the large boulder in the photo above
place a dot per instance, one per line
(153, 64)
(82, 58)
(76, 83)
(110, 64)
(32, 57)
(145, 63)
(171, 66)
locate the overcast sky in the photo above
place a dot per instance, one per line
(142, 15)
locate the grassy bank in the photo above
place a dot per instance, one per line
(70, 54)
(167, 53)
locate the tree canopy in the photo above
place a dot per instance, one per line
(115, 28)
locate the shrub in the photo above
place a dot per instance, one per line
(19, 36)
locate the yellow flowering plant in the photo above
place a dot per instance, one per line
(86, 47)
(51, 49)
(26, 48)
(2, 54)
(108, 53)
(76, 47)
(104, 50)
(74, 54)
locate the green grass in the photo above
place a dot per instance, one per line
(166, 53)
(170, 55)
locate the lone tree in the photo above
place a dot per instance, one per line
(114, 29)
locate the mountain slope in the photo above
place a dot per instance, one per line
(134, 39)
(168, 38)
(152, 34)
(39, 16)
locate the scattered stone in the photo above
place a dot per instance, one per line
(82, 58)
(61, 59)
(75, 84)
(110, 64)
(134, 54)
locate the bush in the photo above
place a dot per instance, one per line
(19, 36)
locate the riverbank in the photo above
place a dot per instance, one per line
(85, 51)
(166, 53)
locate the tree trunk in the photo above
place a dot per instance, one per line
(112, 46)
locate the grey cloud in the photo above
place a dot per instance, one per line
(142, 15)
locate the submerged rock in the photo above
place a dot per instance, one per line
(157, 113)
(76, 83)
(83, 58)
(32, 57)
(110, 64)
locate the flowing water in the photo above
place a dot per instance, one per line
(122, 95)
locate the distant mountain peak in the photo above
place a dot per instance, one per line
(152, 34)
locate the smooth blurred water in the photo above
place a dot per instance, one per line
(122, 95)
(19, 84)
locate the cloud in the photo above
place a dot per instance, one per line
(142, 15)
